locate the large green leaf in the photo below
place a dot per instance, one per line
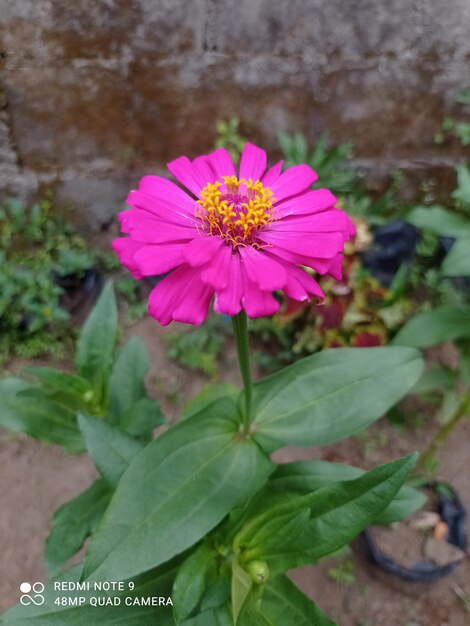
(439, 221)
(280, 603)
(207, 395)
(97, 341)
(72, 523)
(457, 261)
(175, 491)
(71, 391)
(305, 476)
(111, 449)
(127, 389)
(155, 584)
(142, 418)
(190, 581)
(335, 515)
(220, 616)
(434, 327)
(332, 394)
(62, 381)
(37, 415)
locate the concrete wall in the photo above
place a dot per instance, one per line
(97, 92)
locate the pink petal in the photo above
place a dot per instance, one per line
(181, 297)
(313, 201)
(221, 162)
(163, 209)
(253, 162)
(153, 260)
(272, 174)
(267, 273)
(321, 266)
(189, 174)
(320, 245)
(336, 268)
(126, 248)
(329, 221)
(202, 164)
(294, 180)
(228, 300)
(166, 191)
(217, 271)
(147, 229)
(257, 303)
(300, 285)
(201, 250)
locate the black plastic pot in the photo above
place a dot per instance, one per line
(80, 291)
(393, 245)
(453, 513)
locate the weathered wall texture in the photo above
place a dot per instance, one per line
(96, 92)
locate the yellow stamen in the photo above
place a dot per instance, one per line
(236, 212)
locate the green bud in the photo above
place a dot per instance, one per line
(258, 571)
(88, 396)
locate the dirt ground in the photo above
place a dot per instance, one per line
(35, 479)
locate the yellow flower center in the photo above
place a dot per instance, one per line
(235, 209)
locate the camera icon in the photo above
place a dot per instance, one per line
(32, 593)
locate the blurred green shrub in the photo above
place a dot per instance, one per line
(37, 248)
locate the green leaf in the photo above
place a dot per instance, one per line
(97, 341)
(241, 585)
(207, 395)
(462, 194)
(338, 513)
(190, 582)
(111, 449)
(57, 380)
(331, 394)
(219, 593)
(306, 476)
(220, 616)
(437, 378)
(127, 390)
(154, 584)
(37, 416)
(71, 391)
(457, 260)
(188, 480)
(142, 418)
(72, 523)
(439, 221)
(280, 602)
(434, 327)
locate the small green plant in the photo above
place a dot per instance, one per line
(103, 408)
(200, 348)
(38, 248)
(458, 128)
(229, 137)
(343, 571)
(336, 172)
(332, 164)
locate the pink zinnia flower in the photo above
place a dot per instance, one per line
(236, 237)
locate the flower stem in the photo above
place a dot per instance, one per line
(240, 330)
(443, 433)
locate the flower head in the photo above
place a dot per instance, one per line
(233, 236)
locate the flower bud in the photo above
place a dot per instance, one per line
(258, 571)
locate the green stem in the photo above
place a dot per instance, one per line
(443, 433)
(240, 330)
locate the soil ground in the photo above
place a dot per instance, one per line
(35, 479)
